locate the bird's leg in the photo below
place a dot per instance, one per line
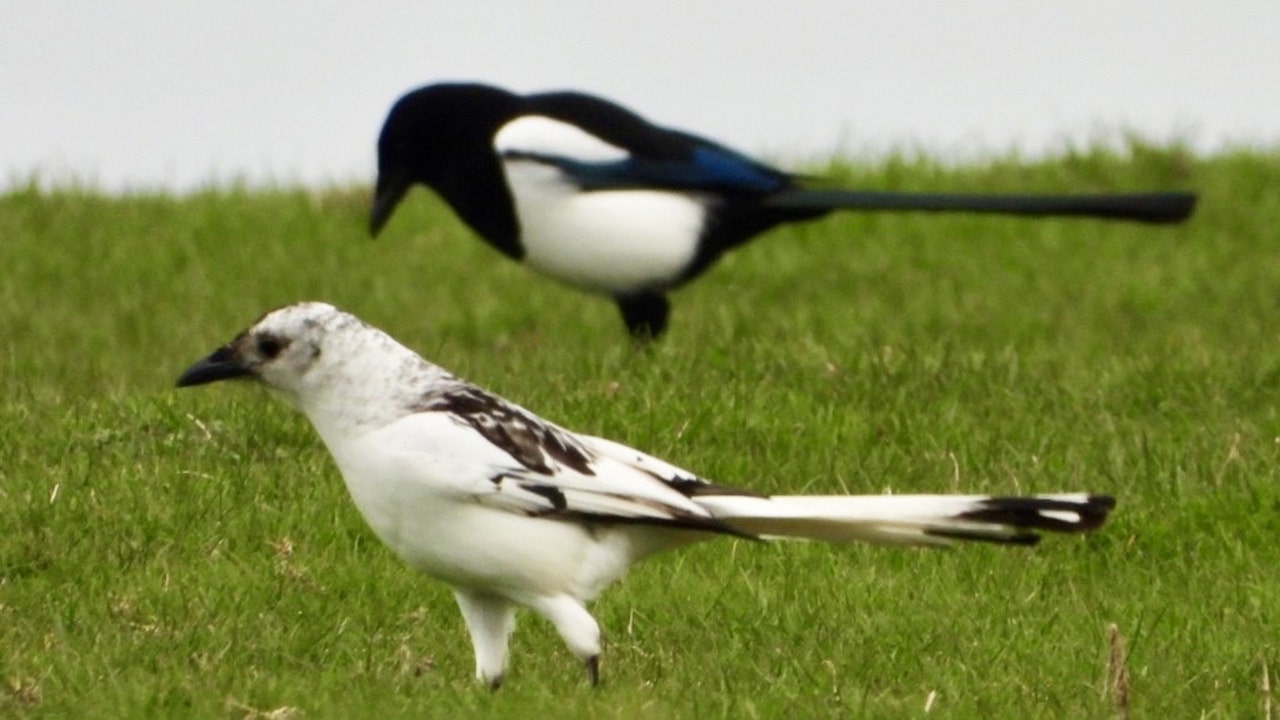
(490, 620)
(645, 314)
(576, 627)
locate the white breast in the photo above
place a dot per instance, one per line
(418, 482)
(607, 241)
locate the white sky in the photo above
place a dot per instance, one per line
(156, 94)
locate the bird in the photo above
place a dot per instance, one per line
(591, 194)
(513, 511)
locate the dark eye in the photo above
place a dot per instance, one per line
(269, 346)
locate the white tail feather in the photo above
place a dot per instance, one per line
(908, 519)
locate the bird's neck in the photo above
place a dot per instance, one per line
(373, 387)
(478, 193)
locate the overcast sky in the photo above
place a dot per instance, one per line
(163, 94)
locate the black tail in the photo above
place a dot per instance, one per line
(1163, 207)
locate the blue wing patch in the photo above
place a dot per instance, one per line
(726, 169)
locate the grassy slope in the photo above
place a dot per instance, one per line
(193, 553)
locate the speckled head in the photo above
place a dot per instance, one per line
(341, 371)
(279, 347)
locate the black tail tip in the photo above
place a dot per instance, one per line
(1173, 207)
(1053, 513)
(1095, 511)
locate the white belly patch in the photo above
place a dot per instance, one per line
(607, 241)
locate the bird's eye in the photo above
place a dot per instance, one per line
(269, 347)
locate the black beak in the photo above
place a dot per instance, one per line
(390, 189)
(223, 364)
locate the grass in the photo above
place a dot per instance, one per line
(193, 553)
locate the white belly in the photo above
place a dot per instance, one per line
(454, 538)
(609, 241)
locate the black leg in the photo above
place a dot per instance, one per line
(645, 314)
(593, 670)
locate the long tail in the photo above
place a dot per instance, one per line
(1162, 207)
(910, 519)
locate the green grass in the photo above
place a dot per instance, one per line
(192, 553)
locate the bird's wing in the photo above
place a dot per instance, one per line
(478, 447)
(687, 483)
(602, 146)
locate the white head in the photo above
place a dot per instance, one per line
(335, 367)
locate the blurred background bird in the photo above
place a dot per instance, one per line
(591, 194)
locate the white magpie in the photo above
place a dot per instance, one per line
(511, 510)
(595, 196)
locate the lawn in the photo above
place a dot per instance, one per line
(193, 553)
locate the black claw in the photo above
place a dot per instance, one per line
(593, 670)
(495, 683)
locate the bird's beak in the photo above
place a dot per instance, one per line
(390, 189)
(223, 364)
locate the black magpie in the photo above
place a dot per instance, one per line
(591, 194)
